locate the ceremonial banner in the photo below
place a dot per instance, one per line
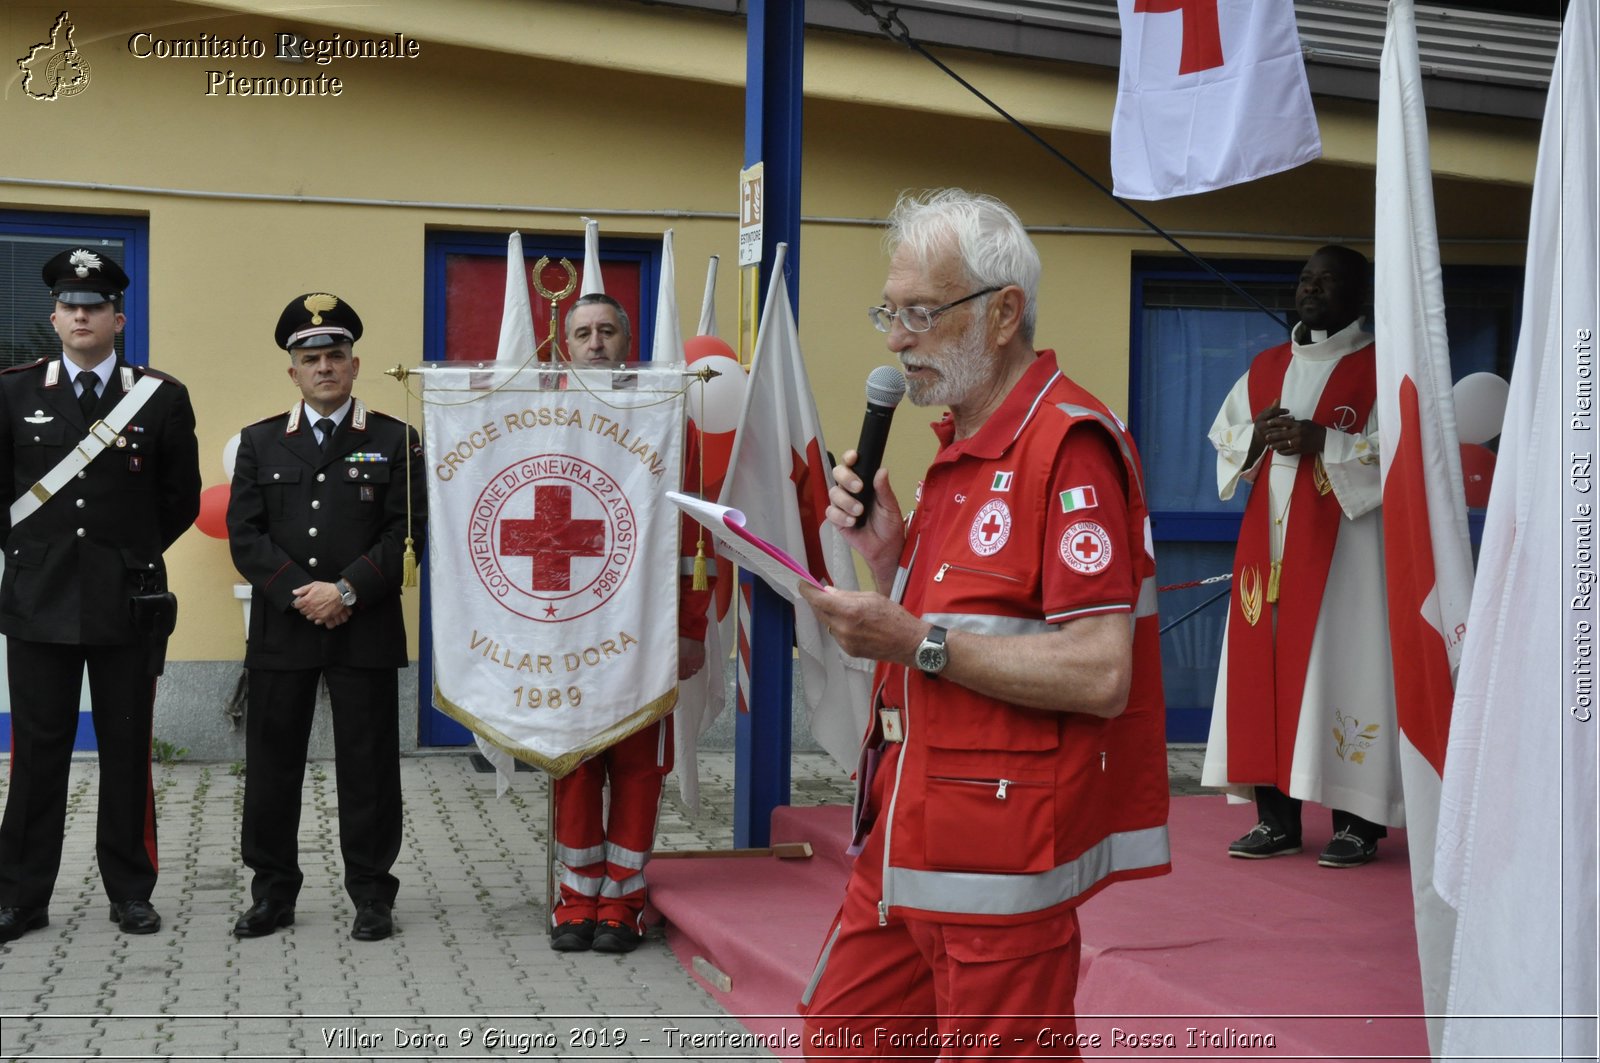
(1211, 93)
(554, 554)
(1426, 549)
(1517, 824)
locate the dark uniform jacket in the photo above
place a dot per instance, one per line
(299, 515)
(72, 566)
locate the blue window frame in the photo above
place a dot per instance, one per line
(1191, 339)
(444, 248)
(30, 238)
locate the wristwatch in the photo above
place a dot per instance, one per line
(932, 657)
(347, 593)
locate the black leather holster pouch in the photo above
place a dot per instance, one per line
(155, 617)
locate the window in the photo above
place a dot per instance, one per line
(466, 284)
(27, 241)
(1192, 338)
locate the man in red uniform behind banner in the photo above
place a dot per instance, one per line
(1305, 706)
(601, 855)
(1016, 761)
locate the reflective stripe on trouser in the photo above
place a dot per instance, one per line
(602, 853)
(885, 991)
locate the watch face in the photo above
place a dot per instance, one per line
(930, 658)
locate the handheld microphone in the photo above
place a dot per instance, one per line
(885, 387)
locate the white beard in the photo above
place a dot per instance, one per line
(960, 371)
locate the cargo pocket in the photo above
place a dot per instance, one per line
(990, 824)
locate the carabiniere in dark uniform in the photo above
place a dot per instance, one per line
(318, 516)
(85, 586)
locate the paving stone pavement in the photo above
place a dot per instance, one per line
(469, 973)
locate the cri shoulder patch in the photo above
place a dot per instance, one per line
(1086, 548)
(991, 528)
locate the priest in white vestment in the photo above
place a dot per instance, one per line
(1304, 708)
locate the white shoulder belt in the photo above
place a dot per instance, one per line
(101, 435)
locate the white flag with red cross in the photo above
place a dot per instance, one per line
(1426, 549)
(1211, 93)
(554, 556)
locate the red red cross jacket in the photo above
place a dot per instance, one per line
(999, 813)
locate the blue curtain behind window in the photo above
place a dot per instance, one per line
(1191, 357)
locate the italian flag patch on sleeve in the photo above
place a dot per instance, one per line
(1077, 498)
(1002, 482)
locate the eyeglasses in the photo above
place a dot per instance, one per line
(916, 318)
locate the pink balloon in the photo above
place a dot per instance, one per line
(1477, 473)
(697, 347)
(213, 518)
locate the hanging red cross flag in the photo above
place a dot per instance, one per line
(553, 556)
(1211, 93)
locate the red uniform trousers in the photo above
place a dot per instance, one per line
(903, 989)
(602, 856)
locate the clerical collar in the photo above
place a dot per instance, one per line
(1347, 340)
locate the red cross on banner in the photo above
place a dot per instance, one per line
(552, 538)
(1202, 33)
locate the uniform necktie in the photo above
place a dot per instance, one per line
(88, 400)
(326, 426)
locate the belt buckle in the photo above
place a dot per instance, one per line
(889, 718)
(111, 433)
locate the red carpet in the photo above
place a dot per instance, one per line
(1208, 962)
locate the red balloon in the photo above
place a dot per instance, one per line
(1477, 473)
(700, 346)
(213, 518)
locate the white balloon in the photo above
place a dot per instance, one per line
(230, 453)
(715, 405)
(1480, 406)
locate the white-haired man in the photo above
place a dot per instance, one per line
(1016, 763)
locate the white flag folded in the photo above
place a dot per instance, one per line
(1517, 829)
(1427, 551)
(779, 477)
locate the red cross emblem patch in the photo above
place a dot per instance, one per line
(1086, 548)
(991, 528)
(552, 537)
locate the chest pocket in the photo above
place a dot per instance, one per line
(368, 479)
(278, 483)
(50, 434)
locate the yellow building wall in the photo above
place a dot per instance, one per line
(527, 115)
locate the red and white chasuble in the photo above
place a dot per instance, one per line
(553, 556)
(1305, 694)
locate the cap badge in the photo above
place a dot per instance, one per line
(83, 261)
(318, 303)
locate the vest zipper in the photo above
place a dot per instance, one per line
(938, 577)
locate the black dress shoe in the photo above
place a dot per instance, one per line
(373, 921)
(135, 917)
(14, 922)
(263, 917)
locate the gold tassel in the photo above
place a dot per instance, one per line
(408, 564)
(699, 582)
(1272, 581)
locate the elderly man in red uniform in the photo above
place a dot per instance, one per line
(1016, 761)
